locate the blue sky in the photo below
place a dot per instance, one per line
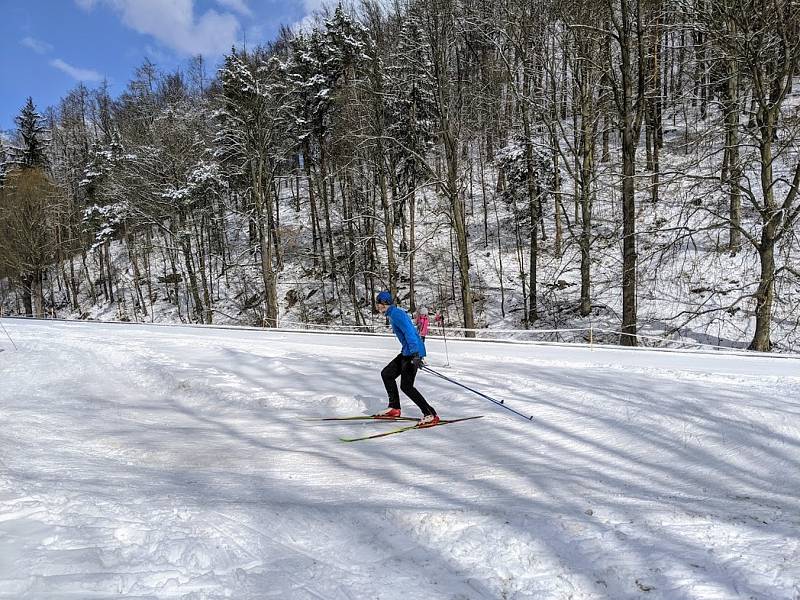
(48, 46)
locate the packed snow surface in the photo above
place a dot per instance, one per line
(170, 462)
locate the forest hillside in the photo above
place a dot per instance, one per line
(622, 171)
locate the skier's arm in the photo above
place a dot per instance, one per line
(410, 333)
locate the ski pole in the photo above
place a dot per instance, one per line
(9, 336)
(444, 337)
(500, 403)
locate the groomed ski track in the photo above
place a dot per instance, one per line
(174, 462)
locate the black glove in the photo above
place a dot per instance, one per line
(417, 361)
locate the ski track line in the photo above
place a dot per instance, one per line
(287, 546)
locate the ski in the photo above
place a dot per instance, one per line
(363, 418)
(407, 428)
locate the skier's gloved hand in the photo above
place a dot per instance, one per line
(417, 361)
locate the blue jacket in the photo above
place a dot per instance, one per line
(405, 331)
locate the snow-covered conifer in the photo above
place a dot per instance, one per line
(30, 150)
(411, 109)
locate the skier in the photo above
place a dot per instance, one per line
(422, 322)
(405, 364)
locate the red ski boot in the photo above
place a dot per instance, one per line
(389, 413)
(428, 421)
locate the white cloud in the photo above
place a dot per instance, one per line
(174, 23)
(312, 10)
(76, 73)
(37, 46)
(312, 5)
(239, 6)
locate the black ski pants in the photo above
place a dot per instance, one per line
(402, 367)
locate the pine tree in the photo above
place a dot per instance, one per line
(322, 71)
(31, 151)
(411, 110)
(104, 213)
(345, 49)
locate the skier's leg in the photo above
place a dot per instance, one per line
(408, 374)
(389, 374)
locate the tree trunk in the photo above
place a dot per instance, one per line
(326, 201)
(269, 278)
(37, 295)
(630, 108)
(110, 271)
(186, 247)
(766, 249)
(734, 169)
(765, 293)
(460, 228)
(655, 109)
(586, 173)
(74, 285)
(629, 313)
(533, 204)
(412, 238)
(27, 285)
(208, 313)
(557, 242)
(388, 223)
(316, 236)
(264, 205)
(137, 276)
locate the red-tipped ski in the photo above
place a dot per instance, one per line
(363, 418)
(407, 428)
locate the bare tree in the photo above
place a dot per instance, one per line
(253, 106)
(628, 86)
(29, 211)
(763, 36)
(441, 28)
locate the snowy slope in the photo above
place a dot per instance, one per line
(167, 462)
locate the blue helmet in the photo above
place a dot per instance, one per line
(384, 297)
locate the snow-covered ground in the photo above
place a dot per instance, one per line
(168, 462)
